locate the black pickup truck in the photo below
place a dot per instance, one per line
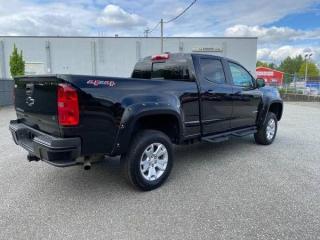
(170, 99)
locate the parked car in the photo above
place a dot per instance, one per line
(170, 99)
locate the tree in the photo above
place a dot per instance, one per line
(264, 64)
(17, 64)
(272, 65)
(313, 70)
(261, 64)
(297, 62)
(291, 65)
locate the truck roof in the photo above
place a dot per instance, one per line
(188, 55)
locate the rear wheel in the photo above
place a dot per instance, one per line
(149, 160)
(267, 133)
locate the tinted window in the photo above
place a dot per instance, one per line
(240, 76)
(212, 70)
(170, 70)
(176, 69)
(142, 70)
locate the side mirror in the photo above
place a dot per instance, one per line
(260, 82)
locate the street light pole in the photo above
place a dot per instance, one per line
(307, 56)
(161, 23)
(306, 71)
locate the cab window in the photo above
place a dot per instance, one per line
(212, 70)
(172, 70)
(176, 70)
(240, 76)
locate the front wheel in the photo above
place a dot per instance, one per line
(267, 133)
(149, 160)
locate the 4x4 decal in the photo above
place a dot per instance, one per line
(97, 83)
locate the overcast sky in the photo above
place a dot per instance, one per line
(284, 27)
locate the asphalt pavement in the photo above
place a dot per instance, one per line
(230, 190)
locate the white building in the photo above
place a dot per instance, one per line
(114, 56)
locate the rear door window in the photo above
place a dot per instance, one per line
(212, 70)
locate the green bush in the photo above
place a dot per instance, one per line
(17, 64)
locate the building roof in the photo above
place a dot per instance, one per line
(270, 69)
(126, 37)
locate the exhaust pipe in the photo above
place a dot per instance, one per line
(86, 165)
(32, 158)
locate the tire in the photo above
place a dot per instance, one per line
(143, 166)
(266, 134)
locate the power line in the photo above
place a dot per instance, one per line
(148, 31)
(154, 28)
(186, 9)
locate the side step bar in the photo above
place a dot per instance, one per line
(245, 132)
(215, 139)
(221, 137)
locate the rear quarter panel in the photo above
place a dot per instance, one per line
(109, 111)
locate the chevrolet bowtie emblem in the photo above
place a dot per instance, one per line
(30, 101)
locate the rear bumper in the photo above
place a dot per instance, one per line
(60, 152)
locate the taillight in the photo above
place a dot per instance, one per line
(68, 105)
(158, 57)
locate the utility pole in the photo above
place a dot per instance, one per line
(168, 21)
(146, 32)
(161, 23)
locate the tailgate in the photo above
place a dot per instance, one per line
(36, 102)
(99, 110)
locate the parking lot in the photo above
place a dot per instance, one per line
(229, 190)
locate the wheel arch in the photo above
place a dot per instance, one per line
(167, 121)
(275, 106)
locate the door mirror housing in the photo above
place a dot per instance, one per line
(260, 82)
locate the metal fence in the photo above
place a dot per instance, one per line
(6, 92)
(299, 85)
